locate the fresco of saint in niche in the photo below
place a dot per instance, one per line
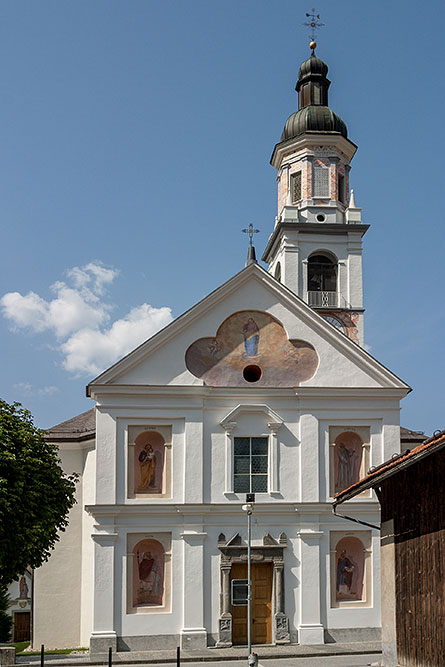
(23, 589)
(349, 569)
(148, 573)
(348, 453)
(246, 337)
(148, 462)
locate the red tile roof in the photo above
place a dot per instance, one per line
(392, 466)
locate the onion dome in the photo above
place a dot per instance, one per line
(314, 114)
(313, 119)
(312, 66)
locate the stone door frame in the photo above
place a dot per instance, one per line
(271, 551)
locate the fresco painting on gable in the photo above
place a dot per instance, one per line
(350, 566)
(148, 573)
(149, 462)
(251, 337)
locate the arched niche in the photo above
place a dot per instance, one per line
(149, 461)
(351, 569)
(148, 577)
(149, 454)
(148, 574)
(348, 454)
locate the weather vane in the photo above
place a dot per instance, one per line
(251, 231)
(314, 24)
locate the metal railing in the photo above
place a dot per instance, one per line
(323, 299)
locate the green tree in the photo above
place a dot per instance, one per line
(5, 618)
(35, 494)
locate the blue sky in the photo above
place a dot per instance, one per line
(135, 147)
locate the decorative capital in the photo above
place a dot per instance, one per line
(228, 426)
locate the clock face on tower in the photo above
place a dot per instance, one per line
(335, 323)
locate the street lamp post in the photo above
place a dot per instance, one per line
(249, 579)
(248, 508)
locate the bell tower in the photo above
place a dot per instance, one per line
(316, 246)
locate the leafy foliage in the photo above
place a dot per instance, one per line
(35, 494)
(5, 618)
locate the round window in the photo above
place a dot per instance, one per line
(321, 217)
(252, 373)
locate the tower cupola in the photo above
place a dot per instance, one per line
(315, 248)
(314, 114)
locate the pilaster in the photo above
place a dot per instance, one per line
(225, 619)
(104, 631)
(311, 630)
(193, 633)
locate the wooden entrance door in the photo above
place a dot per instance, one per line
(261, 605)
(22, 626)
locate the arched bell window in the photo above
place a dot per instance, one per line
(322, 281)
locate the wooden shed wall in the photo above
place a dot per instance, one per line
(415, 499)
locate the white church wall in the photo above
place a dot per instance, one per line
(58, 583)
(87, 572)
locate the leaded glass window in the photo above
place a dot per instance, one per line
(321, 182)
(250, 465)
(295, 187)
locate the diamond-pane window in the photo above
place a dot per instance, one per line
(295, 187)
(321, 182)
(250, 465)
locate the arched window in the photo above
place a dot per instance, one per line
(278, 271)
(322, 281)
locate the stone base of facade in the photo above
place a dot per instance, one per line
(101, 642)
(311, 634)
(193, 639)
(351, 635)
(99, 645)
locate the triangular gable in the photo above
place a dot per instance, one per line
(161, 359)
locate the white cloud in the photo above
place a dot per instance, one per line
(25, 311)
(78, 317)
(27, 389)
(70, 310)
(92, 351)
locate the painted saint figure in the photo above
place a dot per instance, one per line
(24, 590)
(147, 462)
(345, 572)
(345, 471)
(251, 335)
(150, 579)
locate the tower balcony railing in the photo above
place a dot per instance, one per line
(323, 299)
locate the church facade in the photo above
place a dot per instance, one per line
(263, 387)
